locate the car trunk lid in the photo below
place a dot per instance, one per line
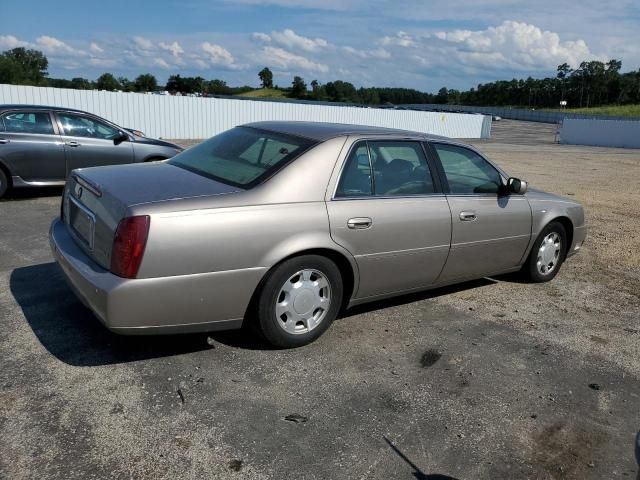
(96, 199)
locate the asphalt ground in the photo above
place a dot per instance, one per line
(489, 379)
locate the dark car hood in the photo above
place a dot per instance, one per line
(155, 141)
(139, 183)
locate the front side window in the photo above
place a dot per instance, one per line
(79, 126)
(466, 171)
(242, 156)
(28, 122)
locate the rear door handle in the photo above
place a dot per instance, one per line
(4, 140)
(72, 144)
(468, 216)
(359, 223)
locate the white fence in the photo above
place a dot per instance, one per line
(192, 117)
(601, 133)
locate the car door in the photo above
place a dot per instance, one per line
(490, 229)
(389, 212)
(30, 146)
(89, 142)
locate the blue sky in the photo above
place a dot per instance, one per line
(411, 43)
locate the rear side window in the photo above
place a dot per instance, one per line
(242, 156)
(385, 169)
(27, 122)
(466, 171)
(400, 168)
(356, 176)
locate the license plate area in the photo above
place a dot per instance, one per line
(82, 222)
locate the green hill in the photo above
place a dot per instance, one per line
(616, 110)
(264, 93)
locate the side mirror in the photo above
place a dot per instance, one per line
(121, 137)
(515, 185)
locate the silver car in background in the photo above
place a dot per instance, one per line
(41, 145)
(283, 224)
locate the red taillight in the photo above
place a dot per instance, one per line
(128, 245)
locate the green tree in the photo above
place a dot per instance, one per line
(126, 85)
(218, 87)
(23, 66)
(80, 83)
(107, 81)
(298, 87)
(145, 83)
(266, 78)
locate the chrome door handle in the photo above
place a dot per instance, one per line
(4, 140)
(72, 144)
(359, 223)
(468, 216)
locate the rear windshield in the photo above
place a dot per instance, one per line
(242, 156)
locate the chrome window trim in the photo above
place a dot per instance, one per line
(334, 196)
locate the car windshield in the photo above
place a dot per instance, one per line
(242, 156)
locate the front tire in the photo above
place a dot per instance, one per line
(300, 298)
(547, 255)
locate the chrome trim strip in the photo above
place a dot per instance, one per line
(402, 252)
(21, 182)
(92, 187)
(492, 240)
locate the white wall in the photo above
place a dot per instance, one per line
(192, 117)
(601, 133)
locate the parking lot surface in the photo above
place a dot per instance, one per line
(489, 379)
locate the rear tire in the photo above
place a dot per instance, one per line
(547, 254)
(299, 300)
(4, 183)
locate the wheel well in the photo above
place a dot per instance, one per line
(5, 170)
(568, 226)
(343, 264)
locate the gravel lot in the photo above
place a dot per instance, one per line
(489, 379)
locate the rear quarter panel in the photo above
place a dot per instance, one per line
(232, 238)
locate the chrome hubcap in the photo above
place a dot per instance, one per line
(549, 253)
(303, 301)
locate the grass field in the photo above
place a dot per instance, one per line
(617, 110)
(264, 93)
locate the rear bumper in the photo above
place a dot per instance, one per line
(177, 304)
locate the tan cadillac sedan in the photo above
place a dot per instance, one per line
(280, 225)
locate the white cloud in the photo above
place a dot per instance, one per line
(143, 43)
(175, 48)
(217, 55)
(161, 63)
(103, 62)
(287, 60)
(95, 48)
(290, 39)
(521, 45)
(401, 39)
(53, 46)
(9, 41)
(379, 53)
(262, 37)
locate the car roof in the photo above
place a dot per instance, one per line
(321, 131)
(37, 107)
